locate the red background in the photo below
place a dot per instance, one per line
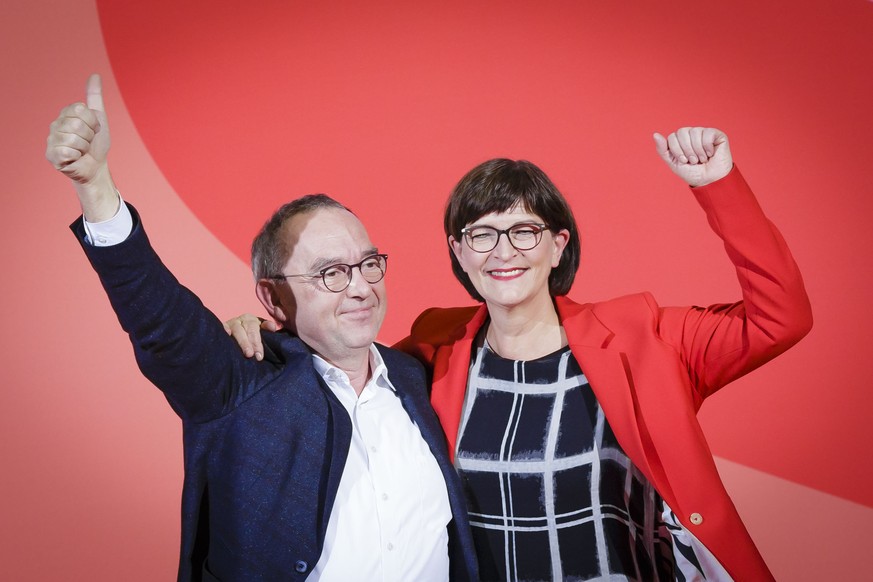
(221, 111)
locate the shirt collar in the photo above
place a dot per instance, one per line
(379, 376)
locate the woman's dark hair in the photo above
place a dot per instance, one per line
(497, 186)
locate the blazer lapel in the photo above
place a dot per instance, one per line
(412, 391)
(449, 383)
(340, 431)
(611, 380)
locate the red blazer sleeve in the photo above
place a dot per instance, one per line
(720, 343)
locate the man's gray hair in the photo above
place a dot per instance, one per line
(270, 250)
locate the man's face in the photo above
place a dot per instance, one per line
(338, 326)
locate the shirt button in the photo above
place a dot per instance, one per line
(390, 546)
(384, 497)
(372, 448)
(301, 566)
(101, 240)
(696, 518)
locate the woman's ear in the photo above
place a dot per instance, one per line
(559, 240)
(455, 245)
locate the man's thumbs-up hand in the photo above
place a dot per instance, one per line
(77, 145)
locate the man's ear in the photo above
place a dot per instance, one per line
(269, 296)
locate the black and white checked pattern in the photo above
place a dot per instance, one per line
(551, 494)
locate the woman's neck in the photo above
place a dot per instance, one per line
(525, 332)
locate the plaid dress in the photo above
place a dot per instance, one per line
(551, 494)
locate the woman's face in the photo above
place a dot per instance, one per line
(505, 276)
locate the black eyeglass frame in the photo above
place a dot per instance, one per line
(538, 235)
(347, 269)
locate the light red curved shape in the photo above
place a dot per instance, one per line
(220, 113)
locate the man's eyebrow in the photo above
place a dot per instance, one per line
(325, 262)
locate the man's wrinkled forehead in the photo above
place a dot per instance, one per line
(325, 236)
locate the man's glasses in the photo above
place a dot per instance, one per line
(338, 277)
(523, 237)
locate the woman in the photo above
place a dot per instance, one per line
(573, 425)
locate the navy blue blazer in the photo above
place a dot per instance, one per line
(265, 443)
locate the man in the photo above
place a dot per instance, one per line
(323, 461)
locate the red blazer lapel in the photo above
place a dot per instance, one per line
(450, 370)
(612, 382)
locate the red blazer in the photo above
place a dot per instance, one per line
(651, 367)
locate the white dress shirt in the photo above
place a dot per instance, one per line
(392, 508)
